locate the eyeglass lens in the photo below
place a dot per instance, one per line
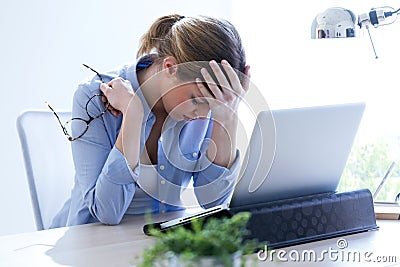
(76, 127)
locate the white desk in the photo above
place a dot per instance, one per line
(101, 245)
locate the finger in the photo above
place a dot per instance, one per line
(221, 78)
(233, 77)
(246, 78)
(211, 83)
(203, 90)
(105, 88)
(114, 81)
(111, 108)
(115, 112)
(121, 83)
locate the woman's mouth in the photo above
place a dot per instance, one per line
(186, 118)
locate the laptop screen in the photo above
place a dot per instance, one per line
(297, 152)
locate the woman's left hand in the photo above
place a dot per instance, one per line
(225, 102)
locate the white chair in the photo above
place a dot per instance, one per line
(48, 162)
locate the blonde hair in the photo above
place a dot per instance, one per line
(192, 39)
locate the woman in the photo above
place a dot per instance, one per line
(172, 118)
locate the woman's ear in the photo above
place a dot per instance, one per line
(170, 65)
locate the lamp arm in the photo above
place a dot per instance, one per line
(372, 43)
(378, 16)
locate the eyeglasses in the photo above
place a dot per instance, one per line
(75, 128)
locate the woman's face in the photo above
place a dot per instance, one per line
(185, 102)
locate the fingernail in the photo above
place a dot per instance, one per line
(224, 62)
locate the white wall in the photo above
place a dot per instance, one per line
(291, 69)
(43, 44)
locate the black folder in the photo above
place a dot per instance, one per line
(309, 218)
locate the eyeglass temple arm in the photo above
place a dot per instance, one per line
(101, 79)
(95, 71)
(58, 118)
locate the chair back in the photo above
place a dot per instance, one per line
(48, 162)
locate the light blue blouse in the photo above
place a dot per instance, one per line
(105, 184)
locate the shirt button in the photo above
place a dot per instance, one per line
(194, 154)
(162, 211)
(162, 167)
(162, 181)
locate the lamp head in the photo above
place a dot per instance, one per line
(335, 22)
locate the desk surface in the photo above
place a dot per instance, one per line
(101, 245)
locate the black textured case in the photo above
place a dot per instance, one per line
(299, 220)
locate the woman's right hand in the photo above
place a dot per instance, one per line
(120, 94)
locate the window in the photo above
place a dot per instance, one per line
(291, 70)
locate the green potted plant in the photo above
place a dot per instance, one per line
(215, 242)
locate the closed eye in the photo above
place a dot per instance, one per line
(195, 101)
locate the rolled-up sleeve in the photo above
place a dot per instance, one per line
(214, 184)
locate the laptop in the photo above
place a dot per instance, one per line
(291, 153)
(305, 155)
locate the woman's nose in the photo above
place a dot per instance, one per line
(201, 112)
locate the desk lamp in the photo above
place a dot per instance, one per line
(338, 22)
